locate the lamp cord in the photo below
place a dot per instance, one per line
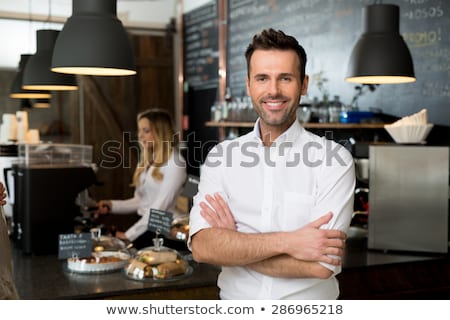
(49, 10)
(30, 17)
(49, 14)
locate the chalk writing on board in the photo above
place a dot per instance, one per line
(434, 88)
(201, 54)
(423, 13)
(74, 244)
(423, 38)
(160, 221)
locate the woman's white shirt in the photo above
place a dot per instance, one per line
(150, 193)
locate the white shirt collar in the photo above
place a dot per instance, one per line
(290, 135)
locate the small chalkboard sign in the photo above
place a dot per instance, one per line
(160, 221)
(74, 244)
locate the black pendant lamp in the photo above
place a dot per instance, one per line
(381, 56)
(41, 103)
(93, 41)
(17, 92)
(25, 104)
(37, 74)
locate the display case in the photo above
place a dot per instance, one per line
(55, 154)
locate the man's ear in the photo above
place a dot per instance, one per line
(305, 85)
(247, 84)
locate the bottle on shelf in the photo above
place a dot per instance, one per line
(228, 97)
(323, 116)
(213, 112)
(304, 112)
(224, 107)
(334, 110)
(217, 112)
(314, 110)
(232, 111)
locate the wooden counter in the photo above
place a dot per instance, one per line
(366, 274)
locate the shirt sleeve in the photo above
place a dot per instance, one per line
(137, 229)
(126, 206)
(335, 191)
(210, 183)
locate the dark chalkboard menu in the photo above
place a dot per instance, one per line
(201, 49)
(160, 221)
(74, 245)
(328, 30)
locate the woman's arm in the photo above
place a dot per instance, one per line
(168, 190)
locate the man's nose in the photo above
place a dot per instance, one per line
(273, 88)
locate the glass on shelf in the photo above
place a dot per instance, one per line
(304, 113)
(334, 110)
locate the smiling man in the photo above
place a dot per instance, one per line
(274, 205)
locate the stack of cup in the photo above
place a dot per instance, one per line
(33, 136)
(22, 126)
(8, 131)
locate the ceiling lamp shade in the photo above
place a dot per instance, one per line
(381, 55)
(17, 92)
(93, 41)
(41, 103)
(37, 74)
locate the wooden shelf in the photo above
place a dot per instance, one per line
(344, 125)
(230, 124)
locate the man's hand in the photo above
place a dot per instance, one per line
(311, 243)
(217, 212)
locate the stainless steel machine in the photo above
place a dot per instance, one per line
(409, 198)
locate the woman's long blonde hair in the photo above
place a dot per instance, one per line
(164, 142)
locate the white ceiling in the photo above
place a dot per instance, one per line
(144, 13)
(19, 20)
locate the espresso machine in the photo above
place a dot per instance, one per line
(47, 181)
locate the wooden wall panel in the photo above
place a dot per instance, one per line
(154, 57)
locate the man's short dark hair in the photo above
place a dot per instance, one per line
(271, 39)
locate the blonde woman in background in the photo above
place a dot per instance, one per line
(158, 178)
